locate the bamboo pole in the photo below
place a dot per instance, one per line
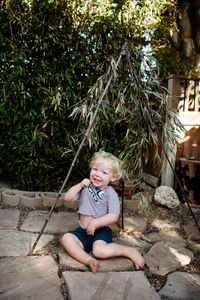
(77, 153)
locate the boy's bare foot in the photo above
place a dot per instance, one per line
(94, 265)
(137, 258)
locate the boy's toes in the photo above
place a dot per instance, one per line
(94, 265)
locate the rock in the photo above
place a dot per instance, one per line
(166, 196)
(192, 231)
(9, 218)
(19, 243)
(135, 203)
(109, 286)
(131, 241)
(168, 236)
(67, 262)
(165, 257)
(106, 265)
(29, 277)
(135, 223)
(164, 225)
(181, 286)
(60, 222)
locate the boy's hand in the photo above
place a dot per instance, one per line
(91, 227)
(85, 182)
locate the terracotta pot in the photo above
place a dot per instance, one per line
(127, 190)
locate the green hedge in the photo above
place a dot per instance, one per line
(50, 55)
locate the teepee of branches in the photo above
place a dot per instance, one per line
(130, 103)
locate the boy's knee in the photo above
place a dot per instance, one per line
(65, 238)
(98, 251)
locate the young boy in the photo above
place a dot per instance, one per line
(99, 207)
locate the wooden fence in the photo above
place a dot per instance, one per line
(184, 96)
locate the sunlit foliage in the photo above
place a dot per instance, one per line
(52, 52)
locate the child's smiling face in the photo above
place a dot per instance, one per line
(101, 173)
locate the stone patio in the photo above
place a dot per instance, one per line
(55, 275)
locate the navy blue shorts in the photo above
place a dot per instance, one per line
(103, 233)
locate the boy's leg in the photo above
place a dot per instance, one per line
(103, 250)
(75, 248)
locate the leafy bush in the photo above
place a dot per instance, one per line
(50, 53)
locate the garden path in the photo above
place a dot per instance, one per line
(173, 260)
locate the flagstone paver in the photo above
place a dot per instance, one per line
(170, 236)
(60, 222)
(17, 275)
(110, 285)
(192, 231)
(106, 265)
(131, 241)
(29, 277)
(135, 224)
(17, 243)
(182, 286)
(165, 257)
(9, 218)
(164, 225)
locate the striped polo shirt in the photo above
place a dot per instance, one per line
(97, 203)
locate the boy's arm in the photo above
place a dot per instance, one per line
(100, 222)
(74, 190)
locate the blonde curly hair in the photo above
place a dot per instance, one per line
(115, 163)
